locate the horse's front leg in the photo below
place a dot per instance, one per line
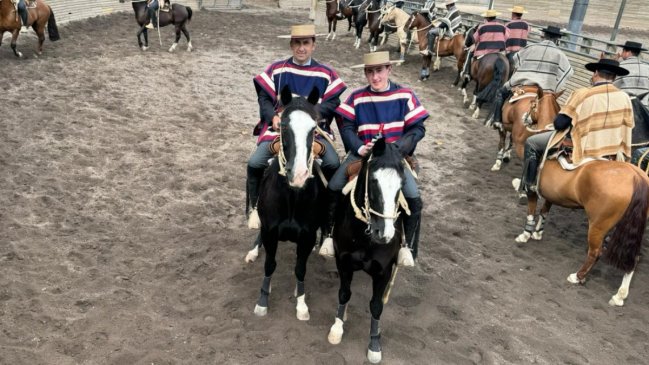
(304, 248)
(380, 282)
(530, 223)
(623, 292)
(189, 40)
(14, 37)
(269, 240)
(501, 151)
(543, 217)
(346, 274)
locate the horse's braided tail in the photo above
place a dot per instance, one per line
(189, 14)
(52, 29)
(489, 92)
(626, 238)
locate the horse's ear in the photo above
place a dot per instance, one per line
(314, 96)
(286, 95)
(379, 147)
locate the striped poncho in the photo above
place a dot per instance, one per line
(541, 63)
(301, 79)
(637, 81)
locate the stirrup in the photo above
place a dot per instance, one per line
(327, 248)
(149, 25)
(405, 257)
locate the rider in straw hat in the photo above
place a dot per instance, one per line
(301, 73)
(637, 81)
(518, 30)
(395, 109)
(542, 64)
(598, 120)
(491, 36)
(452, 21)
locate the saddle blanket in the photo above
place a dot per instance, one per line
(569, 166)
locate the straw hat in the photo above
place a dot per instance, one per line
(490, 13)
(518, 9)
(609, 65)
(301, 31)
(632, 46)
(376, 59)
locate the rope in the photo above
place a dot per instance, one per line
(642, 157)
(386, 295)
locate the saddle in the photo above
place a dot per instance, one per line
(318, 148)
(166, 6)
(522, 92)
(354, 168)
(31, 4)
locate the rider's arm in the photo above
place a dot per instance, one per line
(266, 106)
(562, 122)
(349, 134)
(327, 108)
(412, 134)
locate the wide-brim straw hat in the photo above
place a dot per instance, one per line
(449, 2)
(632, 46)
(518, 9)
(376, 59)
(552, 30)
(301, 31)
(490, 13)
(608, 65)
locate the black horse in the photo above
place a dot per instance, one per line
(368, 236)
(292, 204)
(368, 13)
(179, 16)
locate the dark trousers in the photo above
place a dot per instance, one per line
(534, 148)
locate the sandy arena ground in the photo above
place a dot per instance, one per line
(122, 233)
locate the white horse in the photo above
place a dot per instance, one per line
(394, 17)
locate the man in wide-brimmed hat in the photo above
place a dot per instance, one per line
(598, 120)
(637, 81)
(301, 73)
(518, 31)
(451, 22)
(382, 104)
(542, 64)
(491, 36)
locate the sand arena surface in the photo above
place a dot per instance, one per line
(122, 233)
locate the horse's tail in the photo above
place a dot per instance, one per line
(52, 29)
(489, 92)
(626, 239)
(189, 13)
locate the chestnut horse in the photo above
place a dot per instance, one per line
(526, 113)
(179, 16)
(332, 16)
(444, 47)
(615, 196)
(37, 18)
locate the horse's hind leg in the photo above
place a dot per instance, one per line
(304, 249)
(623, 291)
(189, 40)
(175, 44)
(597, 229)
(270, 243)
(379, 284)
(501, 151)
(344, 294)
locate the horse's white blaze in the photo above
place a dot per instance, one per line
(336, 332)
(623, 291)
(389, 184)
(301, 124)
(302, 309)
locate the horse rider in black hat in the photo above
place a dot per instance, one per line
(637, 81)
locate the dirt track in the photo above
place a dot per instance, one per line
(122, 235)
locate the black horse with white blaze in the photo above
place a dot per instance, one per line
(368, 236)
(292, 204)
(178, 15)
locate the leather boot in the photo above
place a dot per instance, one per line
(496, 116)
(431, 43)
(528, 183)
(412, 224)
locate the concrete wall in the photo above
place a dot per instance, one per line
(69, 10)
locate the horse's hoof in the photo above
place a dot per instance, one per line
(144, 48)
(616, 302)
(523, 237)
(19, 55)
(336, 332)
(573, 279)
(537, 236)
(374, 356)
(260, 311)
(496, 166)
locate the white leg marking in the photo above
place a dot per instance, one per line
(404, 258)
(327, 248)
(496, 166)
(476, 113)
(623, 292)
(260, 311)
(144, 48)
(516, 183)
(373, 357)
(572, 278)
(173, 47)
(336, 332)
(253, 220)
(189, 46)
(302, 309)
(252, 255)
(523, 237)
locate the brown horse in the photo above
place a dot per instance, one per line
(37, 18)
(490, 72)
(332, 16)
(445, 47)
(526, 113)
(179, 16)
(615, 196)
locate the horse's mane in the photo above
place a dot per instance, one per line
(390, 158)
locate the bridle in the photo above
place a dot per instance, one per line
(281, 157)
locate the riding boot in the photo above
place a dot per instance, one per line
(253, 180)
(327, 248)
(431, 43)
(528, 183)
(496, 115)
(412, 225)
